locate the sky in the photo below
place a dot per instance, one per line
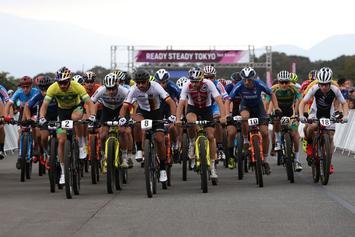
(302, 23)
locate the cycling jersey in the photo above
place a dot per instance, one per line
(22, 97)
(222, 91)
(94, 88)
(4, 97)
(69, 98)
(322, 105)
(37, 100)
(148, 100)
(250, 97)
(173, 90)
(285, 98)
(236, 100)
(200, 98)
(113, 102)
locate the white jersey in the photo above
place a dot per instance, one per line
(112, 102)
(201, 98)
(149, 100)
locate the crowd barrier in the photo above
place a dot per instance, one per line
(11, 137)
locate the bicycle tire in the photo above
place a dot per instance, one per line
(258, 162)
(23, 157)
(52, 161)
(239, 155)
(68, 172)
(184, 155)
(326, 159)
(279, 155)
(93, 160)
(225, 147)
(77, 169)
(315, 161)
(111, 176)
(149, 182)
(203, 159)
(28, 169)
(288, 158)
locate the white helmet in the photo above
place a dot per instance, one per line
(195, 74)
(283, 76)
(162, 75)
(209, 70)
(325, 75)
(79, 79)
(248, 73)
(181, 82)
(110, 80)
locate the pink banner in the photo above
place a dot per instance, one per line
(192, 56)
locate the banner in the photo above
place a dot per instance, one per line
(192, 56)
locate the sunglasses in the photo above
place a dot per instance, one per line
(25, 87)
(326, 84)
(284, 82)
(194, 82)
(111, 88)
(89, 82)
(209, 77)
(63, 83)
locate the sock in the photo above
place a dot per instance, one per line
(231, 151)
(246, 140)
(219, 146)
(297, 156)
(139, 146)
(124, 154)
(278, 137)
(162, 165)
(62, 167)
(265, 157)
(1, 146)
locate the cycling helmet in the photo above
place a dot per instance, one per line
(26, 81)
(312, 75)
(89, 76)
(195, 74)
(181, 82)
(293, 77)
(110, 80)
(209, 70)
(248, 73)
(141, 75)
(10, 92)
(63, 74)
(162, 75)
(44, 81)
(121, 76)
(324, 75)
(78, 78)
(235, 76)
(283, 76)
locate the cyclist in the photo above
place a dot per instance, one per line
(312, 75)
(4, 97)
(79, 79)
(111, 96)
(294, 80)
(22, 94)
(68, 94)
(251, 105)
(162, 77)
(199, 92)
(42, 134)
(181, 82)
(233, 110)
(148, 95)
(209, 72)
(324, 94)
(288, 98)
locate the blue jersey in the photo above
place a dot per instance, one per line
(250, 97)
(22, 97)
(37, 100)
(221, 89)
(173, 90)
(4, 97)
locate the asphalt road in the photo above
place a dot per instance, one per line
(233, 208)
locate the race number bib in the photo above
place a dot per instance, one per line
(324, 122)
(146, 124)
(67, 124)
(253, 122)
(285, 120)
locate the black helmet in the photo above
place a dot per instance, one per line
(141, 75)
(236, 76)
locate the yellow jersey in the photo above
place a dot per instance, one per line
(69, 98)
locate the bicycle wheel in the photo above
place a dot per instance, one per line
(111, 175)
(24, 145)
(184, 155)
(28, 169)
(93, 159)
(77, 169)
(288, 158)
(41, 167)
(325, 160)
(258, 162)
(202, 141)
(315, 161)
(280, 160)
(149, 179)
(68, 170)
(52, 172)
(239, 155)
(168, 172)
(225, 147)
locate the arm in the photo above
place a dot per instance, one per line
(43, 110)
(274, 101)
(7, 108)
(219, 102)
(124, 110)
(26, 112)
(179, 109)
(91, 107)
(172, 105)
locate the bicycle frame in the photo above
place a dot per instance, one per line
(254, 131)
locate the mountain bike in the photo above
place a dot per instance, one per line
(184, 158)
(94, 152)
(321, 150)
(53, 165)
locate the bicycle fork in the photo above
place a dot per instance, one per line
(117, 149)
